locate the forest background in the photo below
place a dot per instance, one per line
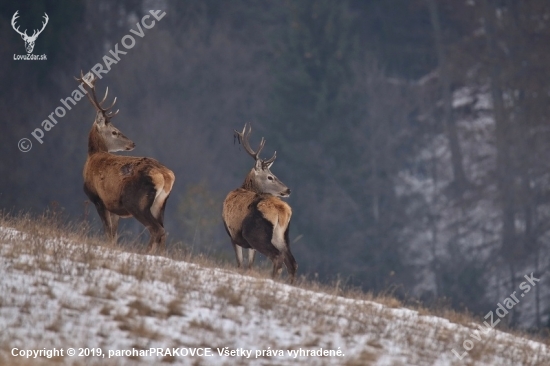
(414, 134)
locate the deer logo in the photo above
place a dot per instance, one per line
(29, 40)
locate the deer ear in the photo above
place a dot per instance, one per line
(268, 165)
(100, 119)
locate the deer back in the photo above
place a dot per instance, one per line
(235, 208)
(110, 176)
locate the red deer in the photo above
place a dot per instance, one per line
(123, 186)
(256, 218)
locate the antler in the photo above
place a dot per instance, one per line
(34, 34)
(15, 16)
(243, 139)
(24, 34)
(90, 80)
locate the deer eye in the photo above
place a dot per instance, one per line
(114, 133)
(269, 177)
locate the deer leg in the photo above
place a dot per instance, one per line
(113, 219)
(105, 217)
(160, 216)
(291, 265)
(238, 254)
(156, 231)
(277, 266)
(157, 240)
(257, 232)
(160, 232)
(251, 255)
(142, 211)
(290, 262)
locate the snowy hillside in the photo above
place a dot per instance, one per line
(62, 294)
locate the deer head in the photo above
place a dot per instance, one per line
(260, 179)
(29, 40)
(111, 138)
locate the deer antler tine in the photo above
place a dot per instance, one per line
(247, 130)
(262, 143)
(243, 139)
(239, 135)
(46, 18)
(112, 105)
(81, 80)
(93, 97)
(91, 100)
(270, 160)
(105, 97)
(95, 103)
(16, 27)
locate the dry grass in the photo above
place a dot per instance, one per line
(201, 324)
(106, 310)
(141, 308)
(228, 294)
(360, 317)
(174, 308)
(51, 225)
(56, 325)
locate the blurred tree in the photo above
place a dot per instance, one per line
(399, 34)
(460, 182)
(308, 116)
(199, 214)
(311, 64)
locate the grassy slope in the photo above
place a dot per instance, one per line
(60, 288)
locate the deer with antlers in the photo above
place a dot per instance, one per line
(29, 40)
(255, 217)
(123, 186)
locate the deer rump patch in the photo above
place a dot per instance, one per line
(278, 213)
(162, 181)
(241, 211)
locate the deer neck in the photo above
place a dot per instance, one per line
(96, 144)
(250, 183)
